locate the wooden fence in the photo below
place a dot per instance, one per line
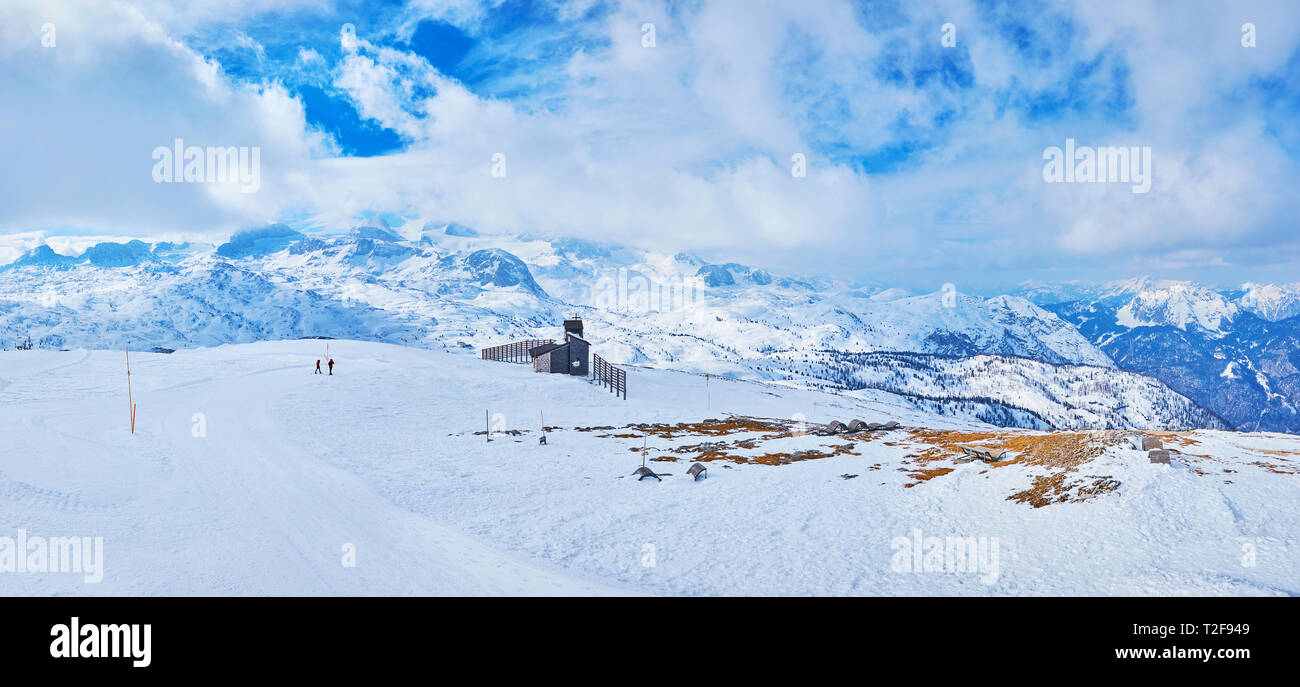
(516, 352)
(608, 376)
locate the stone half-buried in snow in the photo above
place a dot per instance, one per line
(1159, 455)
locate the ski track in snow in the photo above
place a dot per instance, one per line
(383, 456)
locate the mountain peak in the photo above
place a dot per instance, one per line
(1272, 302)
(376, 229)
(497, 267)
(1177, 304)
(272, 238)
(109, 254)
(716, 275)
(43, 256)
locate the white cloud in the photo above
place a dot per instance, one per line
(82, 120)
(244, 40)
(685, 145)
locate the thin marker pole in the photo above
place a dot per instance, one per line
(130, 402)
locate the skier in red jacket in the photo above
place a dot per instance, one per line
(331, 366)
(317, 367)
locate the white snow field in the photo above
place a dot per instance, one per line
(291, 472)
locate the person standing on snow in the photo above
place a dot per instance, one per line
(317, 367)
(331, 367)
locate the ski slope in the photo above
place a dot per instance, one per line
(388, 457)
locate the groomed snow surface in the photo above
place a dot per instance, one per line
(249, 475)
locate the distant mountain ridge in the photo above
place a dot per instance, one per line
(1231, 351)
(451, 288)
(1014, 391)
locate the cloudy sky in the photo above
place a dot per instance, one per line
(678, 125)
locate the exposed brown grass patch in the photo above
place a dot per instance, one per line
(1065, 450)
(1175, 438)
(780, 458)
(1057, 488)
(1272, 452)
(1044, 491)
(722, 449)
(1061, 453)
(766, 428)
(714, 427)
(1279, 469)
(925, 475)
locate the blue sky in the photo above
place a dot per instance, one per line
(923, 160)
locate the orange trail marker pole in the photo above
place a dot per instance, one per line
(130, 402)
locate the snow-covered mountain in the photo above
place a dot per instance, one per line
(1227, 350)
(450, 287)
(1272, 302)
(1174, 304)
(445, 287)
(1012, 392)
(1144, 301)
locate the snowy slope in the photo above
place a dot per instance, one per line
(384, 456)
(243, 510)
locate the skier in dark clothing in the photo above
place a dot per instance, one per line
(317, 367)
(331, 366)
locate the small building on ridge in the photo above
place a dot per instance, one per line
(571, 357)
